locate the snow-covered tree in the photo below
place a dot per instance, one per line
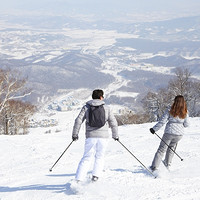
(15, 117)
(12, 86)
(14, 113)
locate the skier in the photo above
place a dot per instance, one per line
(176, 118)
(96, 135)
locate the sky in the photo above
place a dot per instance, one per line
(102, 8)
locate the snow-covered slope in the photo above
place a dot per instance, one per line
(26, 159)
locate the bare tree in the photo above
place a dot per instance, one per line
(182, 84)
(13, 113)
(131, 118)
(193, 99)
(151, 105)
(15, 117)
(155, 104)
(12, 86)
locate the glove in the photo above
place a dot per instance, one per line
(74, 137)
(152, 130)
(116, 139)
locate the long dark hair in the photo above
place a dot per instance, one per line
(179, 107)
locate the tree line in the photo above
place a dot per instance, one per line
(155, 103)
(14, 112)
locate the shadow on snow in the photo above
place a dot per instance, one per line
(61, 188)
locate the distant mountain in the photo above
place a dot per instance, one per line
(154, 46)
(72, 70)
(175, 61)
(60, 54)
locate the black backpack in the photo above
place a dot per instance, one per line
(97, 116)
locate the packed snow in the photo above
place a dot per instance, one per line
(26, 160)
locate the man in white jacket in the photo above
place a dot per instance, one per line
(96, 137)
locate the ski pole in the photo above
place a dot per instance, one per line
(138, 160)
(61, 156)
(169, 146)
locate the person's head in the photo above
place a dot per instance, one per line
(97, 94)
(179, 107)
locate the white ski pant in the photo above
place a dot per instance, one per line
(94, 152)
(171, 141)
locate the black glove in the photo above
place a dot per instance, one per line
(74, 137)
(116, 139)
(152, 130)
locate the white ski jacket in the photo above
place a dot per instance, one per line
(175, 125)
(94, 131)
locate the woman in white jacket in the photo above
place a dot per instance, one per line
(176, 119)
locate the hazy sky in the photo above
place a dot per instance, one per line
(102, 8)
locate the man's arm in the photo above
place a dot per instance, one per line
(78, 121)
(113, 124)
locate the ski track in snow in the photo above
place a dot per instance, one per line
(26, 160)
